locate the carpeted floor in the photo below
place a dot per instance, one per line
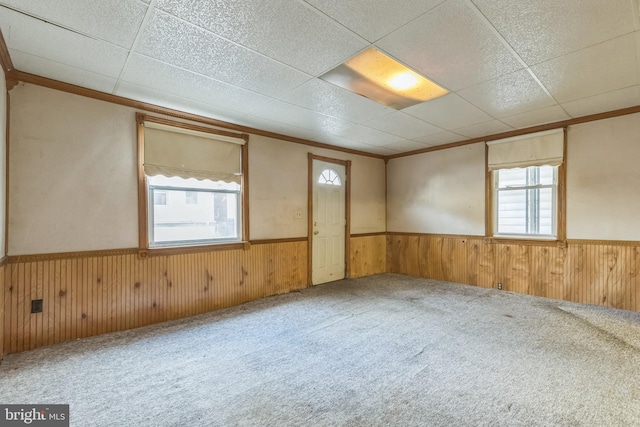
(377, 351)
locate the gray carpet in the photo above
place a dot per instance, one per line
(376, 351)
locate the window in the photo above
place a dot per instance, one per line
(213, 218)
(525, 201)
(329, 177)
(193, 179)
(526, 195)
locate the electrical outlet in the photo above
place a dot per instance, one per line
(499, 286)
(36, 306)
(298, 214)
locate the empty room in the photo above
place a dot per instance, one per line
(319, 212)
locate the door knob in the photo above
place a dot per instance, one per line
(316, 232)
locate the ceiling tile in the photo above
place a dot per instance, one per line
(35, 37)
(403, 125)
(277, 127)
(293, 115)
(538, 117)
(329, 99)
(115, 21)
(452, 46)
(621, 98)
(441, 138)
(512, 94)
(484, 129)
(448, 112)
(144, 94)
(343, 142)
(544, 29)
(275, 29)
(602, 68)
(383, 151)
(64, 73)
(366, 135)
(406, 145)
(176, 42)
(185, 84)
(374, 19)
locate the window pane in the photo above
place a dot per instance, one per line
(546, 175)
(512, 178)
(212, 216)
(512, 212)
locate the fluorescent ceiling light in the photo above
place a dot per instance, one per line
(374, 75)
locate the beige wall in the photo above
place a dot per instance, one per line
(440, 192)
(73, 184)
(278, 187)
(603, 179)
(72, 173)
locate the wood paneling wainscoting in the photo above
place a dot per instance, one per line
(2, 347)
(96, 294)
(590, 272)
(368, 254)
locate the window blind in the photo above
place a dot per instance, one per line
(189, 154)
(538, 149)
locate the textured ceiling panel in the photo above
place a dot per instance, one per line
(144, 94)
(115, 21)
(448, 112)
(404, 146)
(374, 19)
(254, 61)
(35, 37)
(179, 82)
(274, 28)
(483, 129)
(621, 98)
(601, 68)
(277, 127)
(367, 135)
(64, 73)
(452, 46)
(343, 142)
(403, 125)
(440, 138)
(508, 95)
(329, 99)
(178, 43)
(544, 29)
(538, 117)
(301, 117)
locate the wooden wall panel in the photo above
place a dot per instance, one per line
(3, 293)
(368, 255)
(602, 273)
(100, 294)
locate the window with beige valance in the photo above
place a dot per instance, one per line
(537, 149)
(191, 154)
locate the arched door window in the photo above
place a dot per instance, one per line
(329, 177)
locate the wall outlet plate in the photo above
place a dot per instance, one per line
(499, 286)
(36, 306)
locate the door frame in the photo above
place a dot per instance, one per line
(347, 213)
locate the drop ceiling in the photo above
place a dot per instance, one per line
(507, 64)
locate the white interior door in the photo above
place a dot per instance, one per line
(329, 222)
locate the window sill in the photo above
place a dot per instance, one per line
(177, 250)
(526, 241)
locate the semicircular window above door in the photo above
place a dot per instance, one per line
(329, 177)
